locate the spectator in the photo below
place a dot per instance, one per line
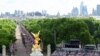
(13, 49)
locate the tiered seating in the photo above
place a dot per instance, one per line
(69, 53)
(59, 52)
(73, 49)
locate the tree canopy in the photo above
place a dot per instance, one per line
(53, 31)
(7, 32)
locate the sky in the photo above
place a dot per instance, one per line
(51, 6)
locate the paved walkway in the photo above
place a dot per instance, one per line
(21, 51)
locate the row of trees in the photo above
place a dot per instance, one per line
(7, 32)
(53, 31)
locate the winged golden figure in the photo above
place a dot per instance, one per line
(36, 45)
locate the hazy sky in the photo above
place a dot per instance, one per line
(52, 6)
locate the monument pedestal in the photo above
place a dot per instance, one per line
(36, 53)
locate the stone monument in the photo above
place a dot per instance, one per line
(36, 50)
(49, 50)
(3, 50)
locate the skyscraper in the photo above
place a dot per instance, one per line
(83, 9)
(44, 12)
(75, 11)
(98, 10)
(85, 12)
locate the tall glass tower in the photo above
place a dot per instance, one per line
(81, 8)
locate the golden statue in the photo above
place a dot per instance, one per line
(36, 45)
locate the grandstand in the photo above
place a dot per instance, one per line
(73, 48)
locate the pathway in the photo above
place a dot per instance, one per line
(21, 50)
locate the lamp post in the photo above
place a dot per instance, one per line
(55, 37)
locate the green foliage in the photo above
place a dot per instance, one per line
(90, 24)
(64, 29)
(7, 31)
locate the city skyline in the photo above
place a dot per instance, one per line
(51, 6)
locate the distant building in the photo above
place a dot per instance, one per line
(7, 13)
(18, 13)
(15, 13)
(38, 13)
(58, 14)
(98, 10)
(83, 9)
(75, 11)
(44, 12)
(30, 14)
(94, 12)
(2, 15)
(85, 12)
